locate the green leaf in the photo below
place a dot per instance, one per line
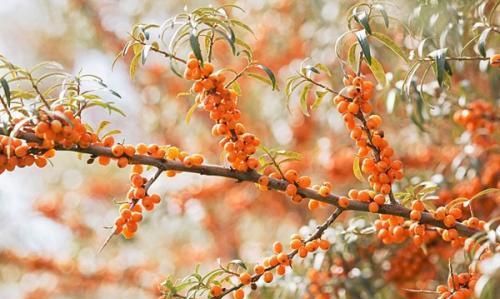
(195, 46)
(389, 43)
(362, 19)
(484, 192)
(356, 169)
(269, 73)
(260, 78)
(238, 263)
(102, 126)
(383, 12)
(112, 132)
(320, 95)
(481, 44)
(190, 112)
(303, 99)
(351, 56)
(133, 65)
(363, 42)
(440, 57)
(145, 52)
(378, 71)
(6, 90)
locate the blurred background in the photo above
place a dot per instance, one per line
(52, 221)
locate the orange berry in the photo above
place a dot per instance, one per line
(304, 181)
(277, 247)
(295, 244)
(495, 60)
(259, 269)
(263, 180)
(379, 199)
(216, 290)
(449, 221)
(324, 244)
(373, 207)
(245, 278)
(313, 204)
(117, 150)
(268, 277)
(343, 202)
(415, 215)
(291, 190)
(456, 213)
(239, 294)
(418, 206)
(291, 175)
(122, 162)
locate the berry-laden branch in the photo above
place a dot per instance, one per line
(281, 259)
(251, 176)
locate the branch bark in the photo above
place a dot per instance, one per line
(253, 176)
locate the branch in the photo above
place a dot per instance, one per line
(317, 234)
(253, 176)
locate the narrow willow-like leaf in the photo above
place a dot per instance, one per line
(320, 95)
(389, 43)
(269, 73)
(195, 46)
(6, 90)
(133, 65)
(378, 71)
(190, 112)
(356, 169)
(363, 42)
(303, 99)
(362, 19)
(481, 44)
(351, 56)
(440, 58)
(383, 12)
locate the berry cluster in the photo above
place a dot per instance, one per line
(354, 104)
(459, 286)
(17, 153)
(294, 182)
(373, 199)
(279, 261)
(61, 127)
(480, 119)
(221, 103)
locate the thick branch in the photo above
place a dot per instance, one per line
(253, 176)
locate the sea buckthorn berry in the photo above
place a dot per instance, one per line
(440, 213)
(277, 247)
(117, 150)
(291, 189)
(295, 244)
(259, 269)
(449, 221)
(343, 202)
(245, 278)
(291, 175)
(313, 204)
(282, 258)
(304, 182)
(495, 60)
(324, 244)
(239, 294)
(379, 199)
(418, 206)
(373, 207)
(456, 213)
(415, 215)
(268, 277)
(216, 290)
(353, 194)
(324, 191)
(122, 162)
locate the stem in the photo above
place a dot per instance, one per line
(6, 107)
(457, 58)
(253, 176)
(166, 54)
(317, 234)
